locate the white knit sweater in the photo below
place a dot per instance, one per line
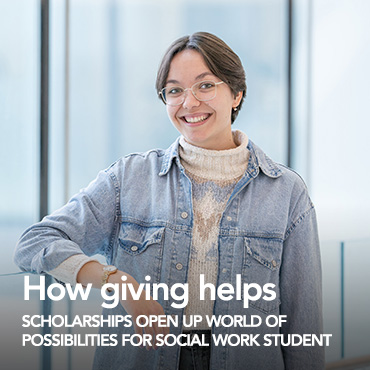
(213, 176)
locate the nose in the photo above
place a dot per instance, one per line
(190, 101)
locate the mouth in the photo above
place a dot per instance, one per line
(195, 120)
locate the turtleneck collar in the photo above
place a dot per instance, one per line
(216, 164)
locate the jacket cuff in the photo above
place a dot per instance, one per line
(68, 270)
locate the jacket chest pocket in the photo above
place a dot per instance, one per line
(261, 265)
(140, 251)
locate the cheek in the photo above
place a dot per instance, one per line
(171, 112)
(222, 110)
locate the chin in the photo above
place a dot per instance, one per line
(201, 142)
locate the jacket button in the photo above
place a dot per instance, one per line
(179, 266)
(228, 218)
(134, 248)
(184, 214)
(274, 264)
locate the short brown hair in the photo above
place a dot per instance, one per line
(218, 56)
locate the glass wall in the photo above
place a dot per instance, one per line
(340, 117)
(19, 151)
(331, 131)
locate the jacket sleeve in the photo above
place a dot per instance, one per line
(86, 224)
(301, 289)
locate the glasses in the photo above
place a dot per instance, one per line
(202, 91)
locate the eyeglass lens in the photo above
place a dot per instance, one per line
(203, 91)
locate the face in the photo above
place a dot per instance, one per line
(203, 124)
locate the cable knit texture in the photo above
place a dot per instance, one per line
(213, 177)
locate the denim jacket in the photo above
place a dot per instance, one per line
(138, 214)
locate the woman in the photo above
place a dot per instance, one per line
(212, 204)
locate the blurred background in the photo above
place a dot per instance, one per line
(307, 65)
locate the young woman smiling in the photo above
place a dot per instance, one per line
(205, 124)
(212, 204)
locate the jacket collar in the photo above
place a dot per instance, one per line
(257, 160)
(171, 153)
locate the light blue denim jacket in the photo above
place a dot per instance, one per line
(268, 234)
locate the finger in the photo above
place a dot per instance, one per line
(149, 331)
(138, 331)
(158, 330)
(162, 330)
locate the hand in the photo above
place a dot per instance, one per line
(92, 272)
(145, 307)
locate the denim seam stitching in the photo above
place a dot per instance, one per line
(298, 221)
(112, 177)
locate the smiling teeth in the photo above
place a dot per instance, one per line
(195, 119)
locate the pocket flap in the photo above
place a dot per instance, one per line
(266, 251)
(136, 239)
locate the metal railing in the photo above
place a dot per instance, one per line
(346, 278)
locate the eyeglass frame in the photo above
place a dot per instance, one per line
(191, 89)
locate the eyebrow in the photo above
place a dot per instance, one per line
(199, 77)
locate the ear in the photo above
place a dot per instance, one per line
(237, 99)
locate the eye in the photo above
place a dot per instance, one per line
(174, 90)
(206, 85)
